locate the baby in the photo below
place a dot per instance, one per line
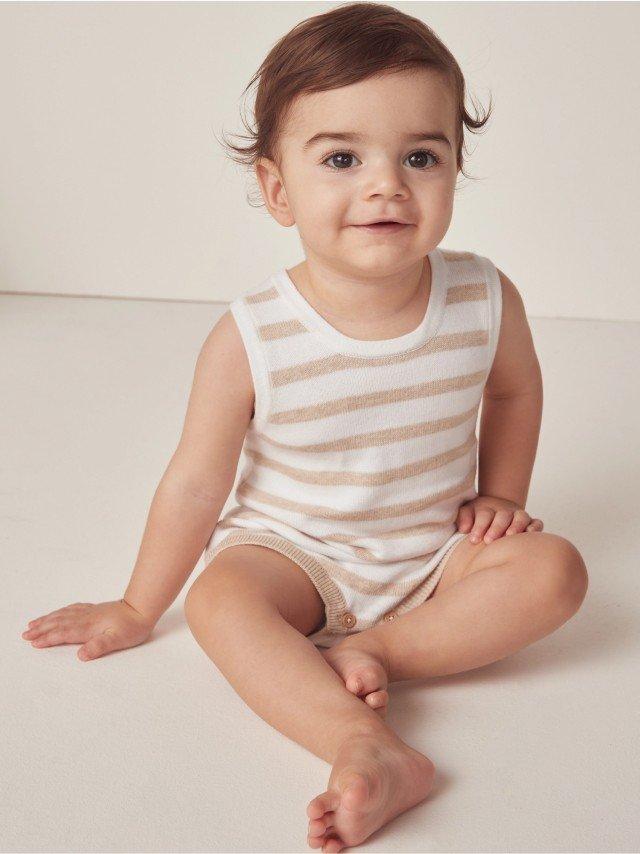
(359, 551)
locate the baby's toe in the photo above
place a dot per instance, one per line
(319, 826)
(333, 844)
(365, 679)
(377, 699)
(326, 802)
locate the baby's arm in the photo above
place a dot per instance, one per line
(511, 406)
(184, 511)
(509, 429)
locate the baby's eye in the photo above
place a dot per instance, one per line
(349, 154)
(421, 154)
(346, 154)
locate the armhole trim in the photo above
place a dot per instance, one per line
(253, 348)
(494, 289)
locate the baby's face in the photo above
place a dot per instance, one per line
(387, 172)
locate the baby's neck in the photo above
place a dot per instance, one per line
(364, 309)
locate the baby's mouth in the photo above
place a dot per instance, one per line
(385, 226)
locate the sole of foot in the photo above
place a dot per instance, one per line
(375, 778)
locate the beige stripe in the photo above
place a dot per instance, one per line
(243, 512)
(263, 296)
(467, 293)
(456, 255)
(390, 511)
(361, 553)
(378, 438)
(344, 362)
(396, 533)
(357, 478)
(280, 329)
(376, 398)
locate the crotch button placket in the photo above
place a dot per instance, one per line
(390, 615)
(348, 620)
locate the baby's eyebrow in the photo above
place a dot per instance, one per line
(350, 136)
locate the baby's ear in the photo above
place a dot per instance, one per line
(273, 191)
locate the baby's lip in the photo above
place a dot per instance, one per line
(385, 222)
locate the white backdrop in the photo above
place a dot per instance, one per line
(112, 182)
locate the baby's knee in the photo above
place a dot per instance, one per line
(210, 592)
(565, 569)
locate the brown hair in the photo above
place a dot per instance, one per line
(349, 43)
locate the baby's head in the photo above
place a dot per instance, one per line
(385, 83)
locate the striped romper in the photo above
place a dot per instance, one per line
(359, 453)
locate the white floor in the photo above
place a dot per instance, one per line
(152, 750)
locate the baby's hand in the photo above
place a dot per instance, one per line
(100, 628)
(498, 515)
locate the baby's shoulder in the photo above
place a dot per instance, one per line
(475, 276)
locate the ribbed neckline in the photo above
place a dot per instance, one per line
(426, 329)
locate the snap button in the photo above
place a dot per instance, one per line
(348, 620)
(390, 615)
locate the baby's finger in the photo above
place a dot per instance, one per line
(465, 518)
(536, 525)
(39, 620)
(501, 522)
(483, 519)
(520, 521)
(62, 634)
(66, 609)
(30, 634)
(41, 628)
(47, 625)
(99, 645)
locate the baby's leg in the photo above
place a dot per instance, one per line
(250, 610)
(493, 599)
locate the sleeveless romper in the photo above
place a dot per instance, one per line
(359, 453)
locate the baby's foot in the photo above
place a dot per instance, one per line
(373, 780)
(364, 669)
